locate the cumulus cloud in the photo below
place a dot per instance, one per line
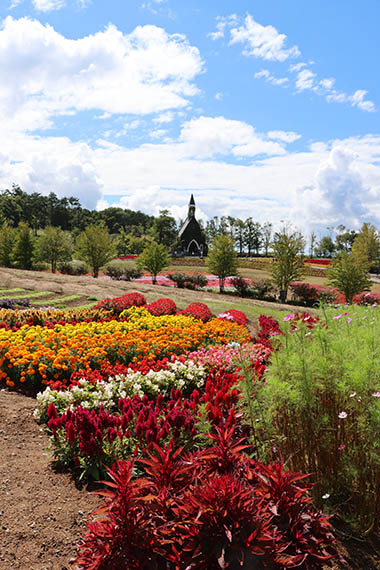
(285, 136)
(339, 194)
(209, 136)
(262, 41)
(44, 74)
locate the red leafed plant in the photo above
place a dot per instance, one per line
(208, 510)
(162, 307)
(198, 311)
(119, 304)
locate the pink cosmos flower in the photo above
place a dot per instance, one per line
(353, 395)
(337, 317)
(376, 394)
(341, 447)
(342, 415)
(349, 320)
(289, 317)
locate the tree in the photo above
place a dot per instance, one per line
(239, 234)
(96, 246)
(326, 247)
(288, 263)
(313, 242)
(7, 240)
(164, 229)
(22, 253)
(222, 259)
(154, 258)
(367, 243)
(345, 238)
(267, 236)
(52, 246)
(349, 274)
(253, 236)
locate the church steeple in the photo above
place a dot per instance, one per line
(191, 213)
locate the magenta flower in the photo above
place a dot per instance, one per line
(342, 415)
(289, 317)
(341, 447)
(349, 320)
(337, 317)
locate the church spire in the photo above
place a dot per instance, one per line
(191, 207)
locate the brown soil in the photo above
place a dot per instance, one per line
(41, 511)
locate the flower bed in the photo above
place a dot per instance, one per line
(40, 355)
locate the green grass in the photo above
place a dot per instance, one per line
(80, 307)
(58, 302)
(30, 295)
(15, 290)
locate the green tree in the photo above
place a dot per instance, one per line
(7, 240)
(253, 236)
(154, 258)
(349, 274)
(345, 239)
(52, 246)
(266, 236)
(367, 243)
(288, 264)
(96, 246)
(326, 247)
(22, 253)
(222, 259)
(164, 229)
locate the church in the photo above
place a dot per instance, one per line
(191, 238)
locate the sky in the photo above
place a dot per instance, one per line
(268, 109)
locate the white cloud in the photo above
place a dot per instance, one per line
(262, 41)
(210, 136)
(43, 74)
(285, 136)
(269, 78)
(218, 96)
(338, 194)
(305, 79)
(48, 5)
(167, 117)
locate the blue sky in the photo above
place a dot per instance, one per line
(268, 109)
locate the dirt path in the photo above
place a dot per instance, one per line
(41, 511)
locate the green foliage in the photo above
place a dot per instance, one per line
(367, 244)
(74, 267)
(96, 246)
(154, 259)
(164, 229)
(7, 240)
(326, 247)
(222, 259)
(349, 274)
(22, 253)
(52, 246)
(319, 406)
(122, 270)
(288, 263)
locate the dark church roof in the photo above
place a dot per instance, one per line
(192, 201)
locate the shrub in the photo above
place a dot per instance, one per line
(119, 304)
(260, 289)
(198, 311)
(305, 292)
(241, 286)
(188, 281)
(114, 270)
(131, 273)
(119, 270)
(162, 307)
(75, 267)
(368, 298)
